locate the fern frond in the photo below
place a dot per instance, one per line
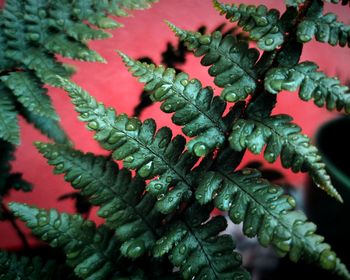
(194, 107)
(195, 246)
(231, 61)
(13, 267)
(296, 3)
(9, 129)
(121, 198)
(263, 25)
(140, 147)
(92, 252)
(312, 84)
(40, 26)
(49, 127)
(284, 138)
(268, 214)
(32, 32)
(324, 27)
(30, 92)
(119, 8)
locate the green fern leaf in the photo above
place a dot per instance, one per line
(231, 61)
(49, 127)
(94, 12)
(294, 3)
(61, 18)
(91, 251)
(140, 147)
(282, 137)
(325, 28)
(312, 84)
(195, 246)
(30, 92)
(268, 214)
(194, 107)
(262, 24)
(9, 129)
(118, 7)
(13, 267)
(121, 198)
(5, 62)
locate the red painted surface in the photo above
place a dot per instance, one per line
(145, 34)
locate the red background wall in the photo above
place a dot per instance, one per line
(145, 34)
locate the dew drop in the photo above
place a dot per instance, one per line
(132, 124)
(59, 166)
(182, 249)
(93, 125)
(200, 149)
(304, 38)
(54, 155)
(158, 186)
(328, 259)
(246, 172)
(291, 201)
(167, 108)
(204, 39)
(34, 36)
(76, 181)
(269, 41)
(272, 190)
(230, 97)
(184, 82)
(169, 179)
(129, 159)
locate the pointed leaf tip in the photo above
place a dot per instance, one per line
(178, 31)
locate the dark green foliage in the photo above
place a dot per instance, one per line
(262, 24)
(121, 198)
(194, 107)
(193, 245)
(231, 61)
(152, 153)
(8, 118)
(29, 92)
(295, 3)
(268, 214)
(325, 28)
(92, 251)
(165, 208)
(312, 84)
(13, 267)
(282, 138)
(32, 32)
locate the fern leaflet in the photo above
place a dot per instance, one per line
(121, 198)
(30, 93)
(92, 252)
(140, 147)
(262, 24)
(9, 129)
(268, 214)
(194, 107)
(325, 28)
(194, 245)
(231, 61)
(282, 137)
(24, 268)
(314, 84)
